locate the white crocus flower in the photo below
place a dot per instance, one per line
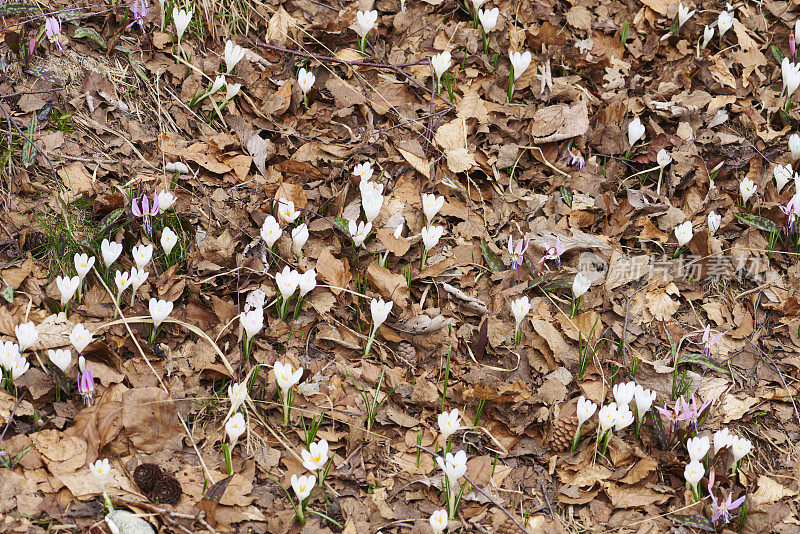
(624, 418)
(440, 63)
(722, 438)
(27, 335)
(363, 171)
(316, 456)
(520, 309)
(623, 393)
(790, 72)
(635, 131)
(708, 34)
(372, 203)
(142, 255)
(286, 376)
(303, 486)
(663, 158)
(438, 521)
(159, 310)
(287, 282)
(488, 19)
(286, 210)
(252, 321)
(165, 200)
(111, 251)
(719, 117)
(219, 83)
(235, 427)
(138, 277)
(359, 232)
(233, 55)
(61, 358)
(724, 22)
(747, 188)
(168, 240)
(299, 238)
(698, 448)
(684, 233)
(270, 231)
(80, 338)
(231, 90)
(19, 365)
(644, 399)
(454, 465)
(782, 173)
(580, 285)
(67, 286)
(365, 21)
(237, 393)
(714, 220)
(449, 422)
(683, 14)
(431, 236)
(585, 410)
(794, 143)
(380, 312)
(101, 470)
(305, 80)
(693, 472)
(307, 282)
(122, 279)
(476, 4)
(740, 448)
(520, 62)
(181, 18)
(607, 417)
(83, 264)
(431, 204)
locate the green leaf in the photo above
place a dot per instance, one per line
(777, 54)
(59, 377)
(566, 195)
(699, 359)
(13, 9)
(8, 294)
(45, 74)
(492, 260)
(92, 35)
(134, 64)
(693, 520)
(755, 221)
(342, 224)
(658, 425)
(110, 219)
(675, 28)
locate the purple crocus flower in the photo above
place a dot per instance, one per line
(792, 210)
(139, 10)
(86, 385)
(722, 510)
(517, 253)
(140, 207)
(52, 28)
(576, 160)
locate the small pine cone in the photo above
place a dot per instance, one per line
(407, 351)
(167, 491)
(563, 427)
(507, 527)
(146, 476)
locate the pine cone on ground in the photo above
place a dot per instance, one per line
(563, 427)
(167, 490)
(507, 527)
(146, 476)
(407, 352)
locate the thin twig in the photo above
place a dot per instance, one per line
(10, 417)
(492, 499)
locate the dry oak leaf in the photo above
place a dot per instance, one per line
(61, 453)
(635, 496)
(660, 304)
(452, 138)
(388, 284)
(561, 349)
(559, 122)
(278, 27)
(150, 420)
(76, 178)
(769, 492)
(412, 152)
(335, 272)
